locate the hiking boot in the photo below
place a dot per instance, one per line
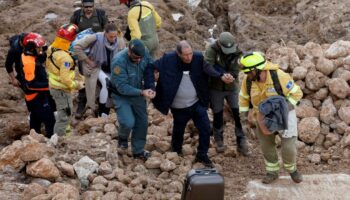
(242, 147)
(219, 139)
(296, 176)
(80, 110)
(220, 146)
(204, 160)
(270, 177)
(122, 146)
(142, 156)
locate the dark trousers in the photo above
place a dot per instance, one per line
(199, 115)
(41, 111)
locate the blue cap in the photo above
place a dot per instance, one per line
(137, 47)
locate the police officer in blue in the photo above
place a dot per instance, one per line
(129, 97)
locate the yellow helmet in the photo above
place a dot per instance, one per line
(252, 60)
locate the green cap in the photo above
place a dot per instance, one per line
(227, 43)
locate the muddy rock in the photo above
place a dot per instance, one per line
(33, 190)
(325, 66)
(167, 165)
(92, 195)
(36, 151)
(338, 49)
(344, 114)
(83, 168)
(339, 87)
(61, 190)
(153, 162)
(66, 168)
(306, 111)
(43, 168)
(308, 129)
(328, 111)
(10, 157)
(315, 80)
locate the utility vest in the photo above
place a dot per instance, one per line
(35, 77)
(147, 27)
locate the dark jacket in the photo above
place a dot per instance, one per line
(14, 56)
(275, 111)
(223, 63)
(170, 74)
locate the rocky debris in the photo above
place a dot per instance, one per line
(326, 186)
(83, 168)
(43, 168)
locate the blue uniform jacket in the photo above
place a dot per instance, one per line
(127, 76)
(170, 75)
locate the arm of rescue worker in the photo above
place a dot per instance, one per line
(244, 98)
(81, 45)
(211, 68)
(291, 90)
(120, 80)
(157, 18)
(10, 60)
(65, 63)
(149, 79)
(133, 23)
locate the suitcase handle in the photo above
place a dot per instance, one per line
(205, 171)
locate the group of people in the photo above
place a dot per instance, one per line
(187, 84)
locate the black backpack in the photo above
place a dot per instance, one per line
(276, 85)
(100, 15)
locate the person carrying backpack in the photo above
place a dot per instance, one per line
(36, 85)
(262, 82)
(143, 22)
(87, 17)
(223, 54)
(61, 70)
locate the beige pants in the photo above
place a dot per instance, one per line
(91, 77)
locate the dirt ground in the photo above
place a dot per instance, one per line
(22, 16)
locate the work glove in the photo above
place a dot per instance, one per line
(79, 85)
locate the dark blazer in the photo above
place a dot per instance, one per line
(170, 71)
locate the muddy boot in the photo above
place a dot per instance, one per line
(270, 177)
(219, 139)
(296, 176)
(242, 146)
(81, 104)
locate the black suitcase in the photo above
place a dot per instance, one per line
(203, 184)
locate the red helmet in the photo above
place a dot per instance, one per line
(68, 31)
(124, 1)
(36, 39)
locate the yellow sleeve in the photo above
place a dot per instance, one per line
(133, 23)
(157, 18)
(244, 98)
(290, 89)
(65, 63)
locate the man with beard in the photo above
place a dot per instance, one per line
(265, 81)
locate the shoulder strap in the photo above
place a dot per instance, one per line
(100, 15)
(53, 50)
(276, 82)
(140, 14)
(276, 85)
(249, 87)
(77, 16)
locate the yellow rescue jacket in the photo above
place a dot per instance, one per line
(60, 70)
(261, 91)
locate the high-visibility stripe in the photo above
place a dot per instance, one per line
(272, 167)
(30, 97)
(292, 101)
(243, 109)
(53, 79)
(39, 89)
(294, 89)
(243, 95)
(290, 167)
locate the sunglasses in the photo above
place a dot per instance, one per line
(88, 6)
